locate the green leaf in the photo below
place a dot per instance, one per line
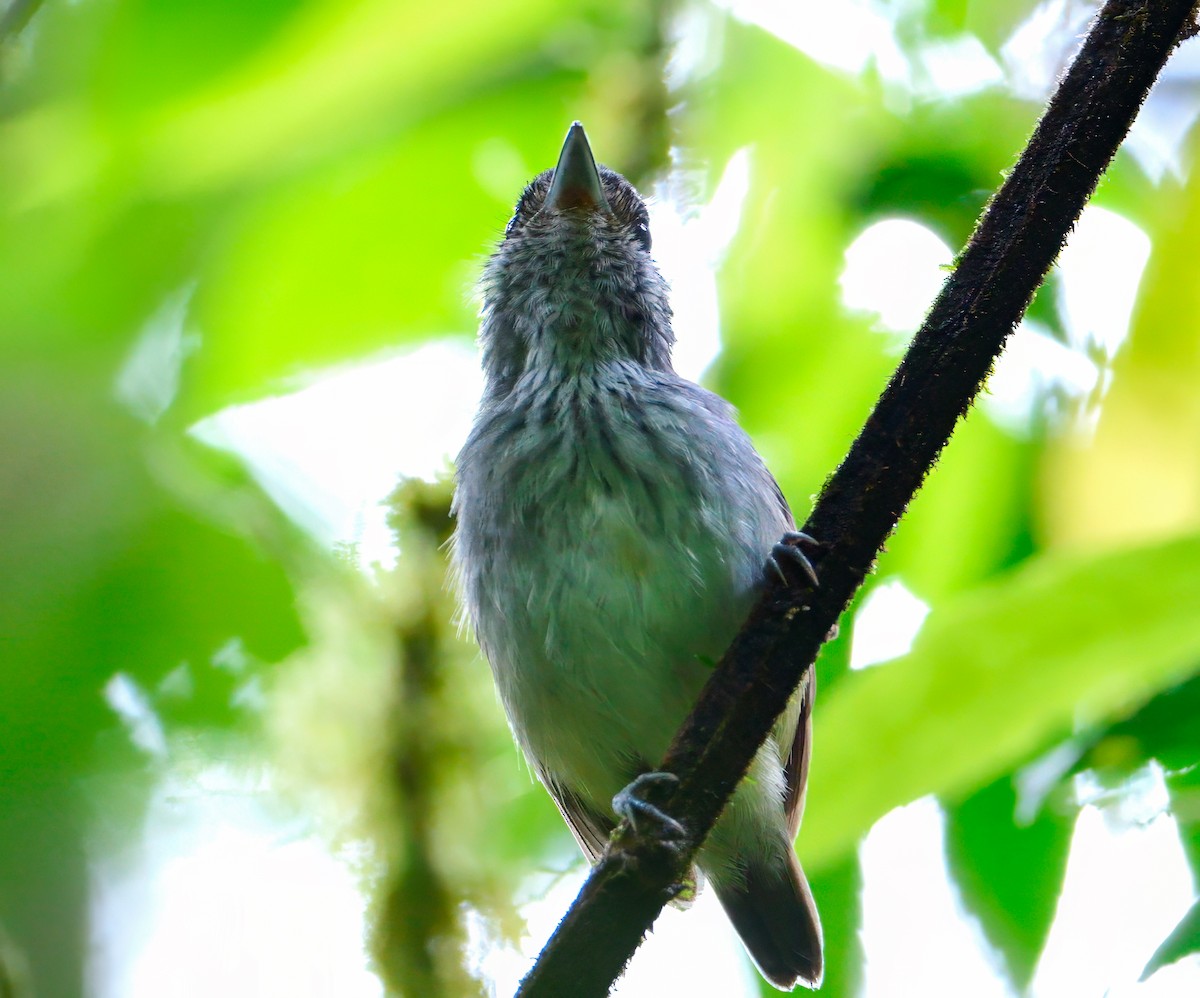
(375, 250)
(993, 23)
(327, 175)
(996, 676)
(105, 569)
(1008, 873)
(1183, 941)
(1184, 789)
(947, 17)
(1163, 729)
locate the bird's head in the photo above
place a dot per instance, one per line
(573, 284)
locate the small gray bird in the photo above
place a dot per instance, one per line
(613, 523)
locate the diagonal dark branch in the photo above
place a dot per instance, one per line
(1012, 248)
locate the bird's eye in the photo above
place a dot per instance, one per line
(530, 202)
(641, 230)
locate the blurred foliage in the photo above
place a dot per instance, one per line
(1184, 941)
(375, 724)
(209, 204)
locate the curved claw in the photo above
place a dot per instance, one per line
(790, 548)
(631, 806)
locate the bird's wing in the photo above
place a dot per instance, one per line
(590, 828)
(796, 768)
(796, 764)
(781, 499)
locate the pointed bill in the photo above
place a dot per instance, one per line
(576, 181)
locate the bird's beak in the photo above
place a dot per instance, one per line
(576, 181)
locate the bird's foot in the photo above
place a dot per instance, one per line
(791, 549)
(643, 817)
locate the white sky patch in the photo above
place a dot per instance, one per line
(894, 269)
(1034, 369)
(688, 952)
(695, 49)
(956, 67)
(1138, 801)
(688, 248)
(1100, 269)
(130, 703)
(1037, 780)
(148, 380)
(917, 937)
(1040, 47)
(886, 624)
(220, 899)
(330, 453)
(1126, 888)
(849, 36)
(856, 35)
(1159, 134)
(1098, 275)
(693, 952)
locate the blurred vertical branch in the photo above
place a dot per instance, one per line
(418, 938)
(630, 85)
(385, 717)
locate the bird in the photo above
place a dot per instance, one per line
(614, 525)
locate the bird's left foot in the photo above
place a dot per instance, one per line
(791, 549)
(643, 817)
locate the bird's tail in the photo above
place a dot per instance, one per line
(774, 913)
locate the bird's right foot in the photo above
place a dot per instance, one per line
(791, 550)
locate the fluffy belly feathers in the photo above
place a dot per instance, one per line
(619, 628)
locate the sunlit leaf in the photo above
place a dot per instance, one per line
(1183, 941)
(997, 675)
(992, 22)
(1183, 786)
(1163, 729)
(1009, 872)
(378, 250)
